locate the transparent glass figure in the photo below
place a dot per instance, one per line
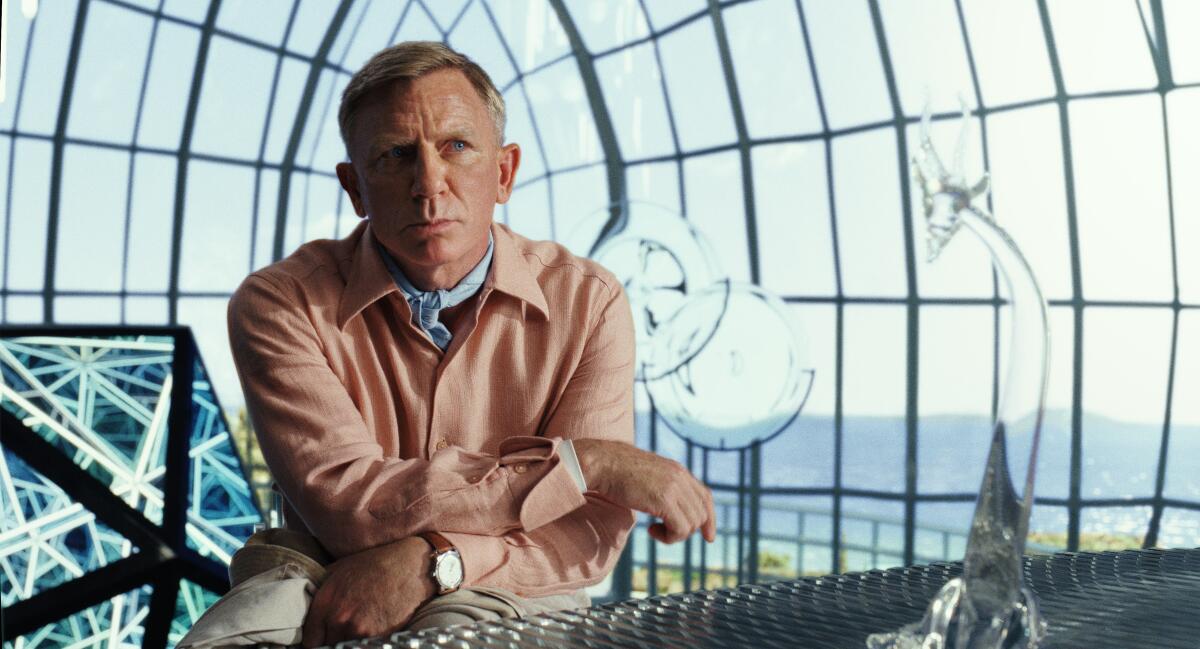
(988, 607)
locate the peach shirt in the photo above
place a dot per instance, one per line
(373, 434)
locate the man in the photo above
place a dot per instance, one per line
(445, 405)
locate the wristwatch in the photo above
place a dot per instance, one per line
(447, 563)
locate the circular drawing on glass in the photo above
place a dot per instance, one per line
(749, 376)
(661, 260)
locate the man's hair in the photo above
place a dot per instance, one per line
(408, 61)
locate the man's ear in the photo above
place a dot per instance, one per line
(509, 160)
(349, 179)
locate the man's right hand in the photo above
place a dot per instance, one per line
(640, 480)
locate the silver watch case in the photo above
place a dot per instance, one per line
(447, 571)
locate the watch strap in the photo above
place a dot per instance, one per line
(441, 544)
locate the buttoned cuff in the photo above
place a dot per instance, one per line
(566, 452)
(535, 468)
(481, 555)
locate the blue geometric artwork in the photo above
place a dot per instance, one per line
(105, 403)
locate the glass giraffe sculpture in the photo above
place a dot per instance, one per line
(988, 607)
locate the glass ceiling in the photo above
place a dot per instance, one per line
(152, 153)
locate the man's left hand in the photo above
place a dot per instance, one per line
(370, 593)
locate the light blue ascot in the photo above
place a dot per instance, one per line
(425, 305)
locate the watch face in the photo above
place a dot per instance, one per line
(449, 570)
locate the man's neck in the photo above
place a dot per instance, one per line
(444, 277)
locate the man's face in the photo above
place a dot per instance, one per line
(427, 170)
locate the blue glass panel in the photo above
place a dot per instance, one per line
(1180, 528)
(777, 99)
(928, 56)
(520, 129)
(91, 220)
(186, 9)
(48, 538)
(577, 195)
(151, 222)
(319, 217)
(378, 25)
(1113, 528)
(941, 530)
(146, 310)
(416, 25)
(696, 84)
(445, 12)
(94, 626)
(656, 182)
(665, 14)
(262, 21)
(87, 310)
(30, 194)
(6, 151)
(19, 30)
(1101, 50)
(532, 31)
(1184, 134)
(795, 237)
(312, 21)
(796, 537)
(23, 309)
(264, 235)
(866, 189)
(716, 209)
(108, 81)
(233, 100)
(168, 85)
(292, 75)
(329, 149)
(1047, 530)
(47, 64)
(563, 116)
(874, 372)
(872, 534)
(528, 211)
(321, 120)
(633, 93)
(216, 229)
(1008, 74)
(190, 604)
(1183, 453)
(848, 66)
(606, 25)
(351, 30)
(476, 36)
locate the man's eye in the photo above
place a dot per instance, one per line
(397, 152)
(458, 145)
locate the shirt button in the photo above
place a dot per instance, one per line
(519, 468)
(442, 444)
(473, 478)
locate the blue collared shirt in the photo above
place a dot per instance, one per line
(425, 305)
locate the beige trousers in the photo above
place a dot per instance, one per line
(488, 604)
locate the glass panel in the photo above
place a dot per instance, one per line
(873, 401)
(319, 217)
(378, 25)
(696, 83)
(351, 29)
(795, 536)
(777, 99)
(564, 116)
(848, 66)
(49, 538)
(1185, 51)
(665, 14)
(1054, 448)
(607, 25)
(18, 34)
(577, 195)
(867, 199)
(791, 203)
(1101, 50)
(168, 85)
(29, 192)
(22, 309)
(261, 21)
(1184, 133)
(445, 11)
(872, 534)
(146, 310)
(963, 269)
(715, 207)
(264, 232)
(417, 25)
(94, 626)
(102, 402)
(91, 221)
(1180, 528)
(1125, 354)
(532, 31)
(48, 62)
(528, 211)
(1183, 452)
(292, 75)
(954, 397)
(632, 85)
(233, 101)
(1028, 195)
(193, 11)
(476, 36)
(151, 222)
(6, 157)
(329, 149)
(191, 603)
(1047, 530)
(312, 21)
(1008, 74)
(1120, 173)
(318, 120)
(216, 236)
(656, 183)
(1113, 528)
(108, 81)
(802, 455)
(928, 55)
(519, 128)
(941, 528)
(87, 310)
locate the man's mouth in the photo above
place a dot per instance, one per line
(430, 227)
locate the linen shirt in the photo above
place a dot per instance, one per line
(374, 434)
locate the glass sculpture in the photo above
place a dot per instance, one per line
(989, 606)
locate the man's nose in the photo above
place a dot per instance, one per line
(429, 178)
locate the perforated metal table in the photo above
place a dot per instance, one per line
(1125, 600)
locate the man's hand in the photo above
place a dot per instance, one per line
(641, 480)
(370, 593)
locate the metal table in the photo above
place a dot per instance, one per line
(1126, 600)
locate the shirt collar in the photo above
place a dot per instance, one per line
(368, 279)
(465, 288)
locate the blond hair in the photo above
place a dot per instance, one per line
(409, 61)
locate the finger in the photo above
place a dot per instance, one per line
(313, 633)
(658, 532)
(710, 523)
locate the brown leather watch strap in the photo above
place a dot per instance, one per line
(440, 543)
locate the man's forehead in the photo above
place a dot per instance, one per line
(441, 95)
